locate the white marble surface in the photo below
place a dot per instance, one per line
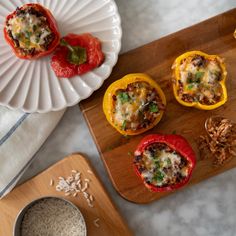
(208, 208)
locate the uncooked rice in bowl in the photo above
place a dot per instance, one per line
(53, 217)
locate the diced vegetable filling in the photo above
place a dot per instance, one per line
(161, 166)
(199, 80)
(30, 31)
(137, 106)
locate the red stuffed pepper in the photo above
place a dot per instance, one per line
(164, 162)
(31, 31)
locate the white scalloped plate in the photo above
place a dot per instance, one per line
(32, 86)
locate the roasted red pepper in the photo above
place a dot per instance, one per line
(21, 40)
(164, 162)
(76, 55)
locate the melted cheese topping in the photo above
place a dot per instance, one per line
(30, 30)
(136, 106)
(199, 80)
(162, 166)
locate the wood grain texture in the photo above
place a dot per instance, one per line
(213, 36)
(111, 223)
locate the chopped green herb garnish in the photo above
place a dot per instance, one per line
(190, 86)
(153, 107)
(123, 127)
(27, 43)
(37, 37)
(198, 76)
(174, 132)
(28, 34)
(123, 97)
(129, 153)
(159, 176)
(157, 163)
(168, 161)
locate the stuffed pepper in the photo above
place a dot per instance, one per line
(199, 80)
(31, 31)
(164, 162)
(134, 104)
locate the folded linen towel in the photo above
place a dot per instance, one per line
(21, 135)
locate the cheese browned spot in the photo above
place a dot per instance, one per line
(136, 107)
(161, 166)
(30, 31)
(199, 80)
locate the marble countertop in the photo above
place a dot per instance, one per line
(208, 208)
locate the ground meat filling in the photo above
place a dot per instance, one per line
(199, 80)
(29, 30)
(136, 107)
(161, 166)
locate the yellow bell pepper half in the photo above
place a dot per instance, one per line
(176, 78)
(108, 102)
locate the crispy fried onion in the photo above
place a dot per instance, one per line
(220, 143)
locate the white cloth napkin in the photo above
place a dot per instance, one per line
(21, 135)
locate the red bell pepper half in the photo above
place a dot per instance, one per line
(176, 143)
(51, 23)
(76, 55)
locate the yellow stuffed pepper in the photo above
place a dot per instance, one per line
(199, 80)
(134, 104)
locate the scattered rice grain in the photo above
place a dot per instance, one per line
(96, 222)
(90, 172)
(91, 197)
(84, 188)
(58, 188)
(77, 177)
(85, 195)
(51, 182)
(73, 185)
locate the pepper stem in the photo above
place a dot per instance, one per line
(64, 43)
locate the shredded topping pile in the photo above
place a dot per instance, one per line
(220, 144)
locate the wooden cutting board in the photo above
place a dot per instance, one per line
(111, 223)
(213, 36)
